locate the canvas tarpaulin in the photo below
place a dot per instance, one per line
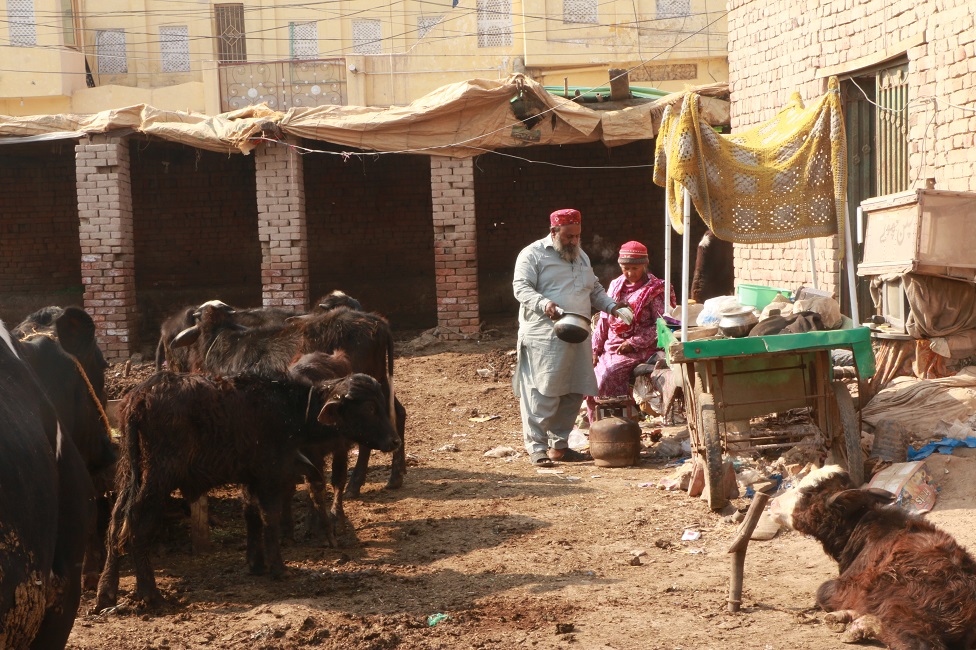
(779, 181)
(459, 120)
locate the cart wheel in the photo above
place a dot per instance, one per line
(712, 442)
(851, 424)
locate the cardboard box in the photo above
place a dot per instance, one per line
(911, 483)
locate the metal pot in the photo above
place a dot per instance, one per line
(572, 328)
(737, 322)
(615, 442)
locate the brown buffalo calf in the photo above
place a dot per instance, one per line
(194, 433)
(902, 581)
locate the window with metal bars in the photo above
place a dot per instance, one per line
(20, 23)
(174, 48)
(891, 120)
(110, 51)
(580, 11)
(673, 8)
(494, 23)
(304, 39)
(367, 36)
(230, 33)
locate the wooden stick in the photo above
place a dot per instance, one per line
(739, 546)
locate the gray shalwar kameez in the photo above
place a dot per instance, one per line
(552, 376)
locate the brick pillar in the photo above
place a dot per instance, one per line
(107, 245)
(455, 246)
(281, 226)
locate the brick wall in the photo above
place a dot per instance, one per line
(514, 198)
(281, 226)
(455, 245)
(105, 232)
(777, 46)
(196, 232)
(40, 257)
(370, 232)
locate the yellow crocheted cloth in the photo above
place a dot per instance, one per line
(783, 180)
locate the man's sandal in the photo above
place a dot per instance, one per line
(568, 455)
(540, 459)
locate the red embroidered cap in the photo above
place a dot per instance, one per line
(565, 217)
(633, 252)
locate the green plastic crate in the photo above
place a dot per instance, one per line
(758, 296)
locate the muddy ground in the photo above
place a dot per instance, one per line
(586, 558)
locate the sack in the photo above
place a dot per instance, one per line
(711, 313)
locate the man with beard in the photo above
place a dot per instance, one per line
(552, 376)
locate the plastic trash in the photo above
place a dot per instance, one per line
(500, 452)
(434, 619)
(691, 536)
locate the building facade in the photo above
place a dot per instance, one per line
(908, 81)
(82, 56)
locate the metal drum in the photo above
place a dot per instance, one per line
(615, 442)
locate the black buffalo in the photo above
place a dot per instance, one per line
(46, 511)
(194, 433)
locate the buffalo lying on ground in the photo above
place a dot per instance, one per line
(902, 581)
(43, 535)
(194, 433)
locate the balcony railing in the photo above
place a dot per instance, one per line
(283, 84)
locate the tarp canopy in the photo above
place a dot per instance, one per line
(459, 120)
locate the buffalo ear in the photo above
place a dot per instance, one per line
(76, 330)
(857, 500)
(186, 337)
(329, 415)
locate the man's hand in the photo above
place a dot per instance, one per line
(623, 311)
(553, 310)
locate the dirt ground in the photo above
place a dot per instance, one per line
(500, 554)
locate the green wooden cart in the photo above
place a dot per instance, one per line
(725, 380)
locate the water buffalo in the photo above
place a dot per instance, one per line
(43, 536)
(195, 432)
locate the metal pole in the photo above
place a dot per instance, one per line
(849, 254)
(685, 263)
(667, 256)
(813, 262)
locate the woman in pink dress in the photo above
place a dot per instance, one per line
(617, 346)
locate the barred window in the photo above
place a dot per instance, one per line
(174, 48)
(494, 23)
(427, 23)
(579, 11)
(304, 40)
(367, 37)
(673, 8)
(110, 51)
(20, 22)
(231, 39)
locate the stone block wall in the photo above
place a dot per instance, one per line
(777, 47)
(455, 245)
(280, 186)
